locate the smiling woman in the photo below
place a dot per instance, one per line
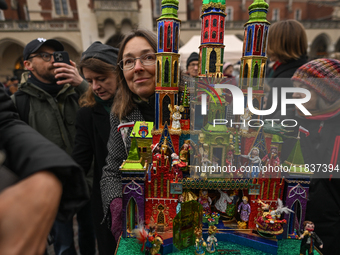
(134, 101)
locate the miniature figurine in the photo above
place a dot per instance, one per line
(175, 116)
(254, 162)
(270, 161)
(184, 153)
(205, 200)
(199, 243)
(212, 240)
(226, 204)
(151, 241)
(179, 203)
(269, 223)
(309, 238)
(244, 209)
(245, 117)
(176, 167)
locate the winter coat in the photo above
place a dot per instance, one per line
(320, 147)
(29, 152)
(93, 130)
(54, 118)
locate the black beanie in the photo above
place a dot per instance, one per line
(193, 57)
(102, 52)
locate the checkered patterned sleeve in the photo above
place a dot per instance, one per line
(111, 181)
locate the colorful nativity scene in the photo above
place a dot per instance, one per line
(189, 182)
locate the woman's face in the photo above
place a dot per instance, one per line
(140, 79)
(103, 85)
(312, 104)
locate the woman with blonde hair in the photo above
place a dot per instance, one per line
(287, 48)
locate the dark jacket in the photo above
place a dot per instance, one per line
(29, 152)
(90, 145)
(323, 207)
(280, 78)
(54, 118)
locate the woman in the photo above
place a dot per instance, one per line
(321, 147)
(98, 65)
(287, 47)
(134, 101)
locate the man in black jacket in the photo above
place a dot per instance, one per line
(48, 179)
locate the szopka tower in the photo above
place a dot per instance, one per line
(253, 61)
(212, 37)
(167, 66)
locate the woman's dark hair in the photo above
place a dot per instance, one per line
(123, 103)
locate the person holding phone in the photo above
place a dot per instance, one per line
(47, 100)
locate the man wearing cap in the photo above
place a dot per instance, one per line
(192, 65)
(47, 100)
(44, 101)
(322, 146)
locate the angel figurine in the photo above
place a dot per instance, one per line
(212, 240)
(254, 162)
(175, 116)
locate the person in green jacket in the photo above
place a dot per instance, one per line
(47, 100)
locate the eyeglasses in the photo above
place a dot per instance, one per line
(128, 63)
(44, 55)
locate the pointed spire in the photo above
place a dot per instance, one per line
(258, 11)
(295, 161)
(169, 9)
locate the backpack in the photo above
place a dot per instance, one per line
(22, 105)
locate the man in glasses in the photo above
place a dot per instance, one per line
(47, 100)
(192, 65)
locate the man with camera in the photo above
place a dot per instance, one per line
(47, 100)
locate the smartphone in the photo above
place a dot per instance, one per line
(61, 57)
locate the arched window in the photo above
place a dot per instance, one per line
(165, 109)
(206, 23)
(212, 62)
(160, 40)
(249, 41)
(221, 35)
(166, 71)
(258, 39)
(255, 75)
(214, 22)
(168, 37)
(206, 35)
(214, 34)
(175, 71)
(158, 71)
(245, 75)
(221, 23)
(176, 38)
(265, 41)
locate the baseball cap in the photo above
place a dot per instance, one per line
(35, 45)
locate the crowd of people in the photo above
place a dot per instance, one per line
(59, 132)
